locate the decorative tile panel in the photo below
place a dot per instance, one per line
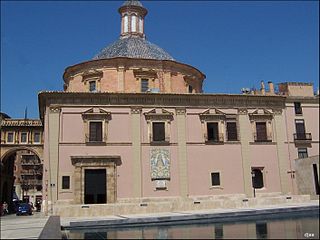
(160, 164)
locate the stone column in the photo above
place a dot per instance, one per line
(245, 138)
(283, 158)
(182, 151)
(53, 136)
(136, 149)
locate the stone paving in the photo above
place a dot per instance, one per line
(22, 227)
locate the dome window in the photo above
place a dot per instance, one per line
(144, 85)
(92, 86)
(133, 23)
(125, 24)
(140, 25)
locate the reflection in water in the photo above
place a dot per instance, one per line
(290, 228)
(261, 230)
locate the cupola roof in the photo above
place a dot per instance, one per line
(133, 47)
(132, 42)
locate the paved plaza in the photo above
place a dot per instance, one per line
(22, 227)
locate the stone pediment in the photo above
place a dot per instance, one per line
(96, 113)
(212, 114)
(261, 113)
(145, 73)
(159, 114)
(91, 74)
(212, 111)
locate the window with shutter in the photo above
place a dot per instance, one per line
(95, 132)
(261, 129)
(232, 134)
(158, 131)
(213, 132)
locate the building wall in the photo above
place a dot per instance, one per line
(201, 159)
(310, 115)
(306, 176)
(125, 79)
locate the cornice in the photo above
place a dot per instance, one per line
(159, 99)
(292, 99)
(92, 160)
(20, 123)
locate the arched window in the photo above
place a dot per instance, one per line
(125, 24)
(140, 25)
(133, 23)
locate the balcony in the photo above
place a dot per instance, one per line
(216, 139)
(262, 138)
(31, 172)
(26, 172)
(94, 141)
(302, 137)
(30, 163)
(31, 182)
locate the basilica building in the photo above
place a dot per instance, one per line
(133, 132)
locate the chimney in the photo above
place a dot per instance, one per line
(262, 89)
(271, 87)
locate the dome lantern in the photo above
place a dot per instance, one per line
(132, 19)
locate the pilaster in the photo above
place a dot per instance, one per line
(280, 137)
(245, 138)
(53, 137)
(136, 149)
(182, 151)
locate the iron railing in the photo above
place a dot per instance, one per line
(262, 138)
(302, 136)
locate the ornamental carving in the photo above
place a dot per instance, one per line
(242, 111)
(277, 111)
(180, 111)
(160, 164)
(55, 109)
(136, 110)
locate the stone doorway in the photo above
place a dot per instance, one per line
(97, 169)
(95, 186)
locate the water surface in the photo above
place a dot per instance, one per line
(300, 226)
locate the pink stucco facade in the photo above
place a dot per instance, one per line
(202, 159)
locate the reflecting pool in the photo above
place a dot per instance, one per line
(301, 226)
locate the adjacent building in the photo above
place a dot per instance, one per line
(21, 159)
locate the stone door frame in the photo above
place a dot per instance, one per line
(109, 163)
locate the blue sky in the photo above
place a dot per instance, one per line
(235, 43)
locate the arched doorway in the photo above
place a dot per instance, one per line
(21, 177)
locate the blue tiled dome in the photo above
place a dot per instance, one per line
(133, 47)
